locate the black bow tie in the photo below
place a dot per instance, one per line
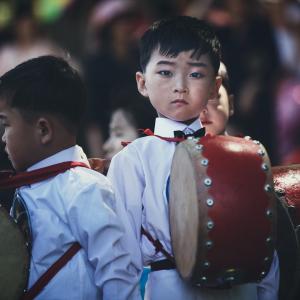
(196, 134)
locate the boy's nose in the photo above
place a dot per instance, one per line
(180, 84)
(181, 90)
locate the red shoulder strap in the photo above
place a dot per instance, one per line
(51, 272)
(10, 180)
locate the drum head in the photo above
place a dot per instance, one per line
(185, 210)
(14, 259)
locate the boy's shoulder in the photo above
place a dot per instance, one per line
(79, 179)
(84, 183)
(88, 177)
(145, 143)
(144, 148)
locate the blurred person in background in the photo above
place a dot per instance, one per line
(157, 9)
(27, 40)
(127, 121)
(122, 129)
(110, 65)
(286, 19)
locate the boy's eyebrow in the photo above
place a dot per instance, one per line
(165, 62)
(193, 64)
(2, 117)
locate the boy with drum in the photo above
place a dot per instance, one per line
(180, 58)
(78, 248)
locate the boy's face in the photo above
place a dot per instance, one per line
(217, 112)
(178, 87)
(19, 137)
(120, 130)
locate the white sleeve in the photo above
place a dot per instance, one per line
(268, 288)
(99, 229)
(127, 177)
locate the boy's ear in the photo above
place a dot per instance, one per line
(231, 107)
(141, 83)
(216, 87)
(45, 130)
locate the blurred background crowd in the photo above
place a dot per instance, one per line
(261, 49)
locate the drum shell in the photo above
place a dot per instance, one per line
(234, 204)
(287, 186)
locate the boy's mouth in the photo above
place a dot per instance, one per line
(179, 101)
(206, 122)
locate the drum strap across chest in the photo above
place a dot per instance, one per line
(165, 264)
(51, 272)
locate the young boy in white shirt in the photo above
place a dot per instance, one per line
(71, 209)
(180, 59)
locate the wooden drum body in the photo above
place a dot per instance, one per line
(222, 211)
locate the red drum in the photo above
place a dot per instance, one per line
(287, 187)
(14, 259)
(222, 211)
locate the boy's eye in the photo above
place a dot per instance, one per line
(196, 75)
(165, 73)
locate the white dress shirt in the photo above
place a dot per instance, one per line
(139, 175)
(79, 205)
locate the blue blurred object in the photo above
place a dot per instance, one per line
(144, 279)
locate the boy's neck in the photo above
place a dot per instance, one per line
(186, 122)
(51, 153)
(53, 148)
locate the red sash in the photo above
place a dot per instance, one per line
(9, 179)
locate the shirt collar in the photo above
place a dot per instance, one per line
(166, 127)
(74, 153)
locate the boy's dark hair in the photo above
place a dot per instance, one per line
(46, 84)
(181, 33)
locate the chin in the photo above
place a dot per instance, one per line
(184, 119)
(210, 130)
